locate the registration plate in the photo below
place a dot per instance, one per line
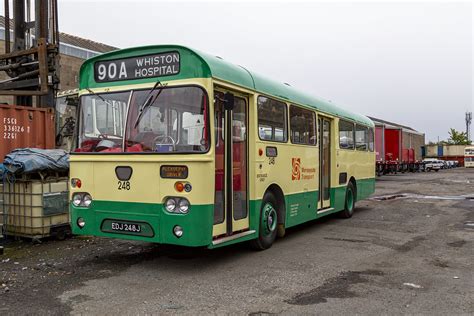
(124, 227)
(117, 226)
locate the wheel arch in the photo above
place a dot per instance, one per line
(277, 192)
(354, 184)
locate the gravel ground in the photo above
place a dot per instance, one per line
(407, 250)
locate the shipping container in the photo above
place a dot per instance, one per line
(433, 151)
(23, 127)
(453, 150)
(36, 208)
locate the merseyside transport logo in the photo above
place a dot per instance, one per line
(301, 172)
(296, 172)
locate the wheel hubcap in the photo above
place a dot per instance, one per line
(269, 219)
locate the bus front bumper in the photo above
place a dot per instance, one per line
(145, 222)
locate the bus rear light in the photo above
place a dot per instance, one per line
(76, 183)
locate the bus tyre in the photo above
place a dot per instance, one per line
(268, 223)
(349, 203)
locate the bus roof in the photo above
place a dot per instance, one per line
(196, 64)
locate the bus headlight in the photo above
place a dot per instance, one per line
(177, 205)
(77, 199)
(178, 231)
(170, 205)
(183, 206)
(86, 200)
(82, 199)
(81, 222)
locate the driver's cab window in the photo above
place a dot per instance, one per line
(193, 128)
(154, 122)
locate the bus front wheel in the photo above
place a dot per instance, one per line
(349, 203)
(268, 223)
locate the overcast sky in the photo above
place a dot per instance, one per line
(409, 63)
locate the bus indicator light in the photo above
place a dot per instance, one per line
(260, 151)
(179, 186)
(76, 183)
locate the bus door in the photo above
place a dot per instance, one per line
(324, 130)
(231, 214)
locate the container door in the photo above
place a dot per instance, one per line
(324, 127)
(231, 171)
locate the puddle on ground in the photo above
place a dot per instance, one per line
(421, 196)
(469, 224)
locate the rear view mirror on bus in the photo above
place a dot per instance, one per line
(228, 101)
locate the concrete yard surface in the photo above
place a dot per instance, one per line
(407, 250)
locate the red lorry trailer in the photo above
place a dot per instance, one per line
(393, 153)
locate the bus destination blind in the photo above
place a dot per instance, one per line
(139, 67)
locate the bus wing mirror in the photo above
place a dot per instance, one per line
(228, 101)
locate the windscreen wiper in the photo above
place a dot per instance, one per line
(100, 97)
(150, 99)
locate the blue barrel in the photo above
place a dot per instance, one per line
(440, 150)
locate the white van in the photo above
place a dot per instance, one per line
(433, 164)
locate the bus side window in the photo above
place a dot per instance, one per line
(346, 135)
(272, 120)
(361, 137)
(302, 126)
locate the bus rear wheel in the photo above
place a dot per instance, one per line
(349, 203)
(268, 223)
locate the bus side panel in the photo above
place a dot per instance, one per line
(365, 187)
(301, 207)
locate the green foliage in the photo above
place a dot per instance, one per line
(458, 138)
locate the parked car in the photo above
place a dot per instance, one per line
(450, 164)
(434, 164)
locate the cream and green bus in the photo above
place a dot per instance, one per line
(175, 146)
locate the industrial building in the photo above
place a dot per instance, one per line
(394, 141)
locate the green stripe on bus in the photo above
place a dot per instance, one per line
(198, 224)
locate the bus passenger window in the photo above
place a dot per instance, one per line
(302, 126)
(272, 120)
(361, 137)
(371, 139)
(346, 135)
